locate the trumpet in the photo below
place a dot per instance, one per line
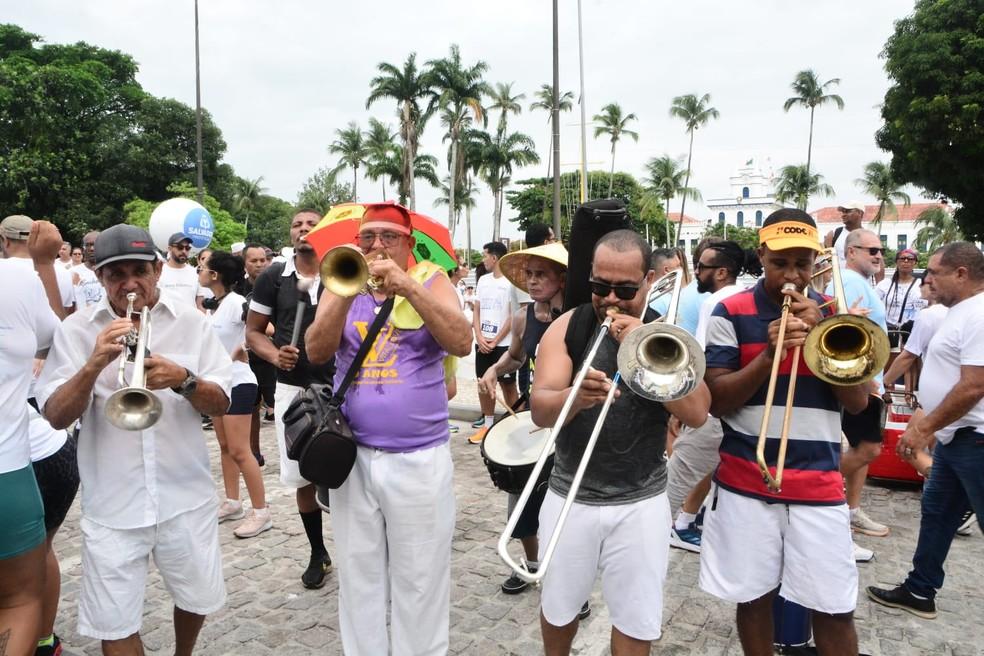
(661, 365)
(344, 271)
(133, 407)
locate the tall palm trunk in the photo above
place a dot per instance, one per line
(686, 185)
(409, 153)
(355, 183)
(809, 145)
(667, 221)
(384, 189)
(468, 247)
(452, 175)
(611, 175)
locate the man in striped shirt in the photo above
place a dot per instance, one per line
(800, 537)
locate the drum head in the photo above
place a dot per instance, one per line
(514, 441)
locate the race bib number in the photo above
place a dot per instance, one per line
(489, 328)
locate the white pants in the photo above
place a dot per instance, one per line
(628, 544)
(695, 455)
(393, 520)
(290, 473)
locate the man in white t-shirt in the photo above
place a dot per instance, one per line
(695, 450)
(88, 289)
(496, 301)
(852, 214)
(14, 231)
(65, 256)
(178, 278)
(952, 393)
(924, 326)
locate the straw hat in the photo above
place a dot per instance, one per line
(513, 264)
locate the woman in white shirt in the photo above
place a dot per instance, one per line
(901, 296)
(219, 274)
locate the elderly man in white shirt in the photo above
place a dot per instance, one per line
(150, 491)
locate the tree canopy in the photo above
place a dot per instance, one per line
(934, 110)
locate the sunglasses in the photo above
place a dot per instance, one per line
(701, 266)
(603, 289)
(872, 250)
(181, 247)
(906, 259)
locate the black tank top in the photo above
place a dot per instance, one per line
(533, 332)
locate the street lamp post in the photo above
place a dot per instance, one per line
(198, 114)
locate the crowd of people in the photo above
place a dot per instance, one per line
(231, 341)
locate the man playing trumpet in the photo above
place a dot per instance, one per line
(146, 492)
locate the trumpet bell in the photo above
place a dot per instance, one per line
(846, 349)
(661, 362)
(133, 408)
(344, 271)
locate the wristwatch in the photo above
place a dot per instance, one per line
(188, 385)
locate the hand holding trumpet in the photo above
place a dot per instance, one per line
(390, 278)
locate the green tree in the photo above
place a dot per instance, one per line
(322, 190)
(502, 153)
(795, 185)
(878, 181)
(381, 148)
(544, 100)
(934, 111)
(744, 237)
(505, 102)
(457, 89)
(350, 146)
(938, 228)
(664, 180)
(409, 87)
(614, 124)
(270, 224)
(694, 112)
(246, 196)
(227, 229)
(811, 93)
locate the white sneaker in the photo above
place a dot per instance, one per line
(967, 526)
(230, 510)
(862, 555)
(257, 522)
(861, 523)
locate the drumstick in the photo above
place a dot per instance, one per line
(303, 288)
(504, 405)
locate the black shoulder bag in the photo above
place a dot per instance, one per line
(316, 432)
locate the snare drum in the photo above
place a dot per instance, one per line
(510, 450)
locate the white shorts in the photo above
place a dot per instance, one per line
(290, 473)
(628, 543)
(114, 570)
(749, 547)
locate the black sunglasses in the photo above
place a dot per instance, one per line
(603, 289)
(872, 250)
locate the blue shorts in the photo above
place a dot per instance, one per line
(243, 399)
(22, 519)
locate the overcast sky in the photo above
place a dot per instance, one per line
(281, 77)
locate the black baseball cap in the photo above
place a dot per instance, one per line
(124, 242)
(177, 238)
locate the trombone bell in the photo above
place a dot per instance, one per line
(661, 362)
(846, 349)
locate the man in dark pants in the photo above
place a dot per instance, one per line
(952, 393)
(275, 299)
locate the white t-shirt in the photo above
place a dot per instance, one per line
(958, 342)
(27, 325)
(181, 284)
(708, 306)
(895, 295)
(88, 289)
(45, 440)
(498, 301)
(227, 322)
(840, 246)
(62, 277)
(926, 323)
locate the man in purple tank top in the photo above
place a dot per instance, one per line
(394, 516)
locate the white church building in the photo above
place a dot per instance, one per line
(750, 200)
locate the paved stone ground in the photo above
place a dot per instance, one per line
(269, 612)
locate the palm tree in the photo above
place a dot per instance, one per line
(613, 123)
(380, 144)
(503, 100)
(664, 179)
(351, 147)
(458, 90)
(939, 228)
(499, 157)
(879, 182)
(245, 195)
(694, 112)
(811, 93)
(795, 184)
(544, 101)
(408, 87)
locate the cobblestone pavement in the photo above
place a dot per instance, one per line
(269, 612)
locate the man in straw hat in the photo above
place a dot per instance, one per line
(796, 541)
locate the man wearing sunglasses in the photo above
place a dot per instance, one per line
(617, 524)
(178, 278)
(865, 256)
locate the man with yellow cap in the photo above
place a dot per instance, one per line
(796, 541)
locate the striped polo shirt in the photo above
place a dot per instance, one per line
(738, 331)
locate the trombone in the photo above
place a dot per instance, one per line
(133, 407)
(650, 362)
(843, 349)
(344, 271)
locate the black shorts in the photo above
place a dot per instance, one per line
(243, 399)
(866, 426)
(58, 480)
(485, 360)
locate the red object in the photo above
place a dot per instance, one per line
(888, 465)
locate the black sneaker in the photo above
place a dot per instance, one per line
(967, 521)
(900, 597)
(54, 649)
(317, 571)
(584, 612)
(514, 584)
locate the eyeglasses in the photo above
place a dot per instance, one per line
(181, 247)
(701, 266)
(872, 250)
(906, 259)
(367, 239)
(623, 292)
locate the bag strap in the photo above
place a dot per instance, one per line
(377, 325)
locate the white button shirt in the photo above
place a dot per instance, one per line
(133, 479)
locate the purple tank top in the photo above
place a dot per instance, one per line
(397, 401)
